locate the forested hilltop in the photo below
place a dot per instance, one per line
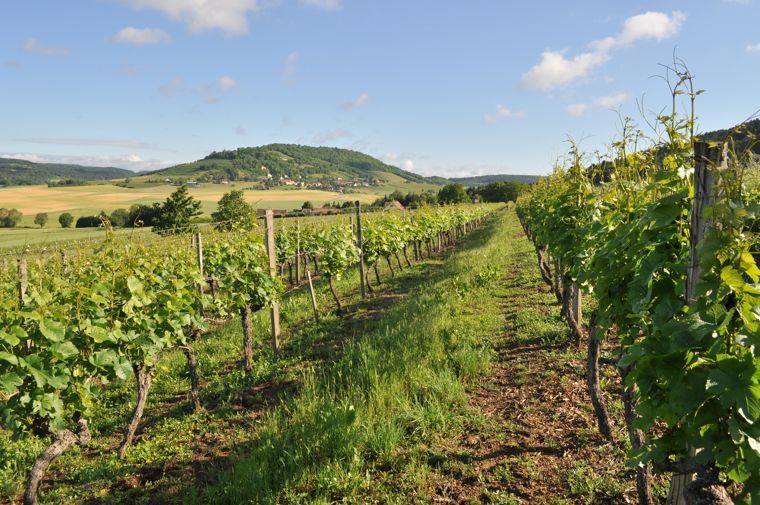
(15, 172)
(291, 162)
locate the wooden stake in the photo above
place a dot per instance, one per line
(199, 253)
(298, 251)
(275, 311)
(313, 297)
(706, 159)
(22, 281)
(359, 245)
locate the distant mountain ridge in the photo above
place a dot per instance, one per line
(14, 172)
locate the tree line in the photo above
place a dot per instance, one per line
(495, 192)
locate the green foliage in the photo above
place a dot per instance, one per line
(119, 218)
(499, 191)
(234, 212)
(624, 234)
(66, 220)
(177, 212)
(453, 193)
(307, 205)
(88, 222)
(41, 219)
(9, 218)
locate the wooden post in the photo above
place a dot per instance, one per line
(359, 245)
(313, 297)
(275, 311)
(706, 159)
(197, 243)
(199, 253)
(64, 263)
(298, 251)
(22, 280)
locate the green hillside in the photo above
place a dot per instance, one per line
(487, 179)
(15, 172)
(289, 161)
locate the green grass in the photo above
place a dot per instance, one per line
(346, 413)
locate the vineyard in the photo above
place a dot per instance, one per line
(664, 241)
(76, 326)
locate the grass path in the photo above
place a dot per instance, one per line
(539, 442)
(341, 413)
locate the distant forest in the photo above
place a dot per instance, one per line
(480, 180)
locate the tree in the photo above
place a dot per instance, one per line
(9, 218)
(453, 193)
(506, 191)
(119, 218)
(88, 222)
(177, 212)
(66, 220)
(234, 212)
(41, 219)
(307, 205)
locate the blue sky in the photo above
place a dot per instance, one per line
(438, 87)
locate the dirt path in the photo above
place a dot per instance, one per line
(536, 439)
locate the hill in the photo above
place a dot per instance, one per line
(479, 180)
(743, 136)
(291, 164)
(15, 172)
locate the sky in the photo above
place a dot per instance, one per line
(438, 87)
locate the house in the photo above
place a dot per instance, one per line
(393, 205)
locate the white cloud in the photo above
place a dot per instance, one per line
(172, 88)
(556, 69)
(611, 101)
(70, 141)
(650, 25)
(324, 4)
(358, 102)
(290, 69)
(408, 165)
(140, 36)
(753, 48)
(34, 46)
(128, 161)
(602, 102)
(501, 113)
(200, 15)
(577, 109)
(226, 83)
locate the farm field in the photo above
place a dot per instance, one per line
(91, 199)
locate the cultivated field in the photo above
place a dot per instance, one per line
(91, 199)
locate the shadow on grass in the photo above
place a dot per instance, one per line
(329, 429)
